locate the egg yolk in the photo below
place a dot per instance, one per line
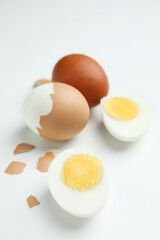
(121, 108)
(82, 172)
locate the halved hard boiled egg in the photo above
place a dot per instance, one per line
(125, 117)
(78, 182)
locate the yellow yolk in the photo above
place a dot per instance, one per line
(121, 108)
(82, 172)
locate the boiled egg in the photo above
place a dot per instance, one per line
(83, 73)
(125, 117)
(55, 111)
(78, 182)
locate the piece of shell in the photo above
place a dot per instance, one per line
(45, 161)
(15, 168)
(41, 82)
(23, 147)
(32, 201)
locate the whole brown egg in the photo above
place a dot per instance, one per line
(83, 73)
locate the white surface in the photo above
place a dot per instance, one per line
(77, 203)
(124, 36)
(38, 103)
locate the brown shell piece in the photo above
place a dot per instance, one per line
(23, 147)
(32, 201)
(45, 161)
(69, 114)
(41, 82)
(15, 168)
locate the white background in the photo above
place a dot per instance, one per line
(124, 37)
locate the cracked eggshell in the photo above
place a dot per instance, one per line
(55, 111)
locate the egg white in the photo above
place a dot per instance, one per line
(38, 103)
(77, 203)
(128, 130)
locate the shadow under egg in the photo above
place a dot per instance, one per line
(52, 211)
(25, 135)
(111, 141)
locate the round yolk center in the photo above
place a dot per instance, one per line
(121, 108)
(82, 172)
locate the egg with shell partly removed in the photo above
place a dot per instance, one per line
(55, 111)
(83, 73)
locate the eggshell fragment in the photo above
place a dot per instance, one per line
(15, 168)
(41, 82)
(23, 147)
(45, 161)
(83, 73)
(32, 201)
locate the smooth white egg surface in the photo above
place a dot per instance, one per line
(38, 103)
(75, 202)
(127, 130)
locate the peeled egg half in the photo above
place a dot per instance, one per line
(55, 111)
(125, 117)
(78, 182)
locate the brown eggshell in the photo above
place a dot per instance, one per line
(41, 82)
(32, 201)
(45, 161)
(15, 167)
(23, 147)
(69, 114)
(83, 73)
